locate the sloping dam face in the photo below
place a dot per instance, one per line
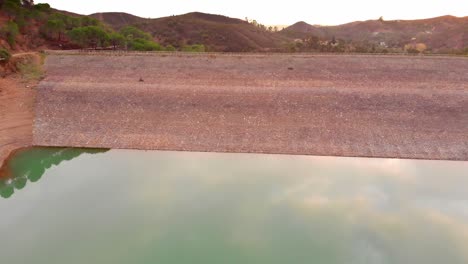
(369, 106)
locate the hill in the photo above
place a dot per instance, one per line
(302, 30)
(445, 34)
(29, 27)
(36, 27)
(118, 20)
(440, 34)
(216, 32)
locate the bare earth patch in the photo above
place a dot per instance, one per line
(16, 115)
(17, 97)
(370, 106)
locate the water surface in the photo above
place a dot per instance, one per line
(80, 206)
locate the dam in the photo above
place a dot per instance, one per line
(412, 107)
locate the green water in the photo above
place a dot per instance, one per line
(31, 164)
(87, 206)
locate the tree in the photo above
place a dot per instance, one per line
(116, 40)
(133, 32)
(20, 19)
(11, 8)
(72, 22)
(4, 55)
(55, 27)
(10, 31)
(89, 37)
(312, 43)
(27, 3)
(89, 21)
(77, 36)
(42, 7)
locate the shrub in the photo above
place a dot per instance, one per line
(117, 40)
(5, 55)
(10, 7)
(20, 20)
(170, 48)
(89, 21)
(53, 28)
(42, 7)
(194, 48)
(30, 71)
(135, 33)
(90, 36)
(10, 31)
(412, 51)
(36, 14)
(145, 45)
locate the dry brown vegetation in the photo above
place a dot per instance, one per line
(373, 106)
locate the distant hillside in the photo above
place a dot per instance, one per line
(118, 20)
(35, 27)
(221, 33)
(440, 33)
(302, 30)
(217, 33)
(25, 26)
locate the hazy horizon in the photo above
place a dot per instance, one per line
(268, 13)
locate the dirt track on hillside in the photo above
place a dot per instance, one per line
(371, 106)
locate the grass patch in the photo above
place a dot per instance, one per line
(30, 71)
(5, 55)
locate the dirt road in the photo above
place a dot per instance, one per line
(370, 106)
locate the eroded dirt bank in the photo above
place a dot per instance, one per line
(16, 115)
(370, 106)
(17, 96)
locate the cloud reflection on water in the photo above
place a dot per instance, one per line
(383, 211)
(175, 207)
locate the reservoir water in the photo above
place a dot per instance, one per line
(120, 206)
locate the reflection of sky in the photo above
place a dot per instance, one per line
(168, 207)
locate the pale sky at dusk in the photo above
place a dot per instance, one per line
(327, 12)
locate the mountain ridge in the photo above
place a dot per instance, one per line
(216, 32)
(222, 33)
(442, 32)
(42, 27)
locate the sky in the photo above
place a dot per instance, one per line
(326, 12)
